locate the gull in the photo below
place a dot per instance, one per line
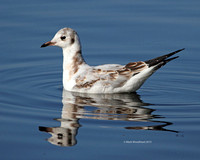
(78, 76)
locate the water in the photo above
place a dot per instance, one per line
(39, 120)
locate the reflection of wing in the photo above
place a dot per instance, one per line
(103, 100)
(109, 75)
(124, 107)
(109, 106)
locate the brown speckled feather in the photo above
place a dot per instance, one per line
(117, 77)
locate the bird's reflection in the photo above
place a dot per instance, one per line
(123, 107)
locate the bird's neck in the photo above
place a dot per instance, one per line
(72, 61)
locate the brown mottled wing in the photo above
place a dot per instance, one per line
(119, 77)
(115, 77)
(130, 69)
(136, 67)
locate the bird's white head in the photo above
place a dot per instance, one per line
(64, 38)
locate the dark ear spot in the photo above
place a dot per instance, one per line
(72, 40)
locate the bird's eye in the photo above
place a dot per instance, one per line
(62, 37)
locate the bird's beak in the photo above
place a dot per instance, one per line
(48, 44)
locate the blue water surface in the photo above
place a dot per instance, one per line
(39, 120)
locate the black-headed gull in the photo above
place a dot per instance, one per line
(78, 76)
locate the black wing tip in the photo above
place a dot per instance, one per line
(164, 62)
(164, 58)
(180, 50)
(167, 60)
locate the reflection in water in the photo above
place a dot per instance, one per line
(124, 107)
